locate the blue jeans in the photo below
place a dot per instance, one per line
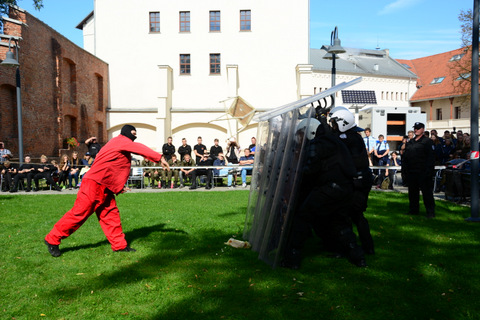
(244, 174)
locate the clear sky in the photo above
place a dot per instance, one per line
(409, 28)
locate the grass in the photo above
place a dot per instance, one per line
(423, 269)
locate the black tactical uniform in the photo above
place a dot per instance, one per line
(362, 186)
(183, 150)
(168, 150)
(419, 163)
(328, 186)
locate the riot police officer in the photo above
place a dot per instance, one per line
(419, 163)
(326, 193)
(343, 123)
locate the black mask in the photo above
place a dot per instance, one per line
(127, 132)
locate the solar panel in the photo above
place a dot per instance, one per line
(359, 96)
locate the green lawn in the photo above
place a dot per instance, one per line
(423, 269)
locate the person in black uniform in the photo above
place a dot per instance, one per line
(215, 150)
(419, 163)
(205, 161)
(325, 199)
(168, 149)
(343, 123)
(184, 149)
(45, 170)
(199, 150)
(26, 170)
(93, 146)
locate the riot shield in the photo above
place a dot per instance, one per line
(281, 138)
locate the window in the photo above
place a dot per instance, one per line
(439, 114)
(245, 20)
(214, 20)
(99, 93)
(184, 64)
(184, 21)
(457, 57)
(437, 80)
(154, 21)
(215, 63)
(457, 113)
(464, 76)
(406, 66)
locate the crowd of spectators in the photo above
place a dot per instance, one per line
(187, 168)
(58, 175)
(451, 145)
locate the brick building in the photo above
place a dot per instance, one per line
(64, 89)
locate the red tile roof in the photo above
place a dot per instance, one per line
(439, 65)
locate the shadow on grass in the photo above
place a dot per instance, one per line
(130, 236)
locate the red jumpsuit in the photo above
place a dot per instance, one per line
(107, 177)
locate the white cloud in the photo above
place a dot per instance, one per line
(397, 5)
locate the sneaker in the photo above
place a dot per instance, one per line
(63, 188)
(126, 249)
(244, 185)
(53, 249)
(181, 186)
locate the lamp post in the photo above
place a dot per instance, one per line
(333, 50)
(11, 61)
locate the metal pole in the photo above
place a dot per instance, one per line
(474, 119)
(19, 116)
(334, 72)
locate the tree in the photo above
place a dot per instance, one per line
(4, 5)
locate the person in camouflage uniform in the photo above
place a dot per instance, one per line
(152, 173)
(166, 175)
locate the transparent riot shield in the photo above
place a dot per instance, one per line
(281, 138)
(277, 173)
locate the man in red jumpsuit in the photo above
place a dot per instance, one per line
(105, 179)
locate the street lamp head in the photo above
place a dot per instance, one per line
(10, 60)
(336, 48)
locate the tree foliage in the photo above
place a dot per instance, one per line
(4, 5)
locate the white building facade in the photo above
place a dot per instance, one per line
(176, 65)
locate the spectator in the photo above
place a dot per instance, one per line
(167, 173)
(8, 171)
(87, 162)
(253, 146)
(459, 144)
(93, 146)
(149, 172)
(64, 170)
(437, 149)
(420, 169)
(381, 153)
(184, 149)
(74, 170)
(186, 173)
(233, 151)
(168, 149)
(45, 171)
(426, 134)
(220, 161)
(410, 135)
(370, 143)
(447, 150)
(205, 161)
(215, 150)
(393, 161)
(5, 154)
(26, 170)
(246, 160)
(199, 150)
(465, 152)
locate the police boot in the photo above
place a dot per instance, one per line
(353, 251)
